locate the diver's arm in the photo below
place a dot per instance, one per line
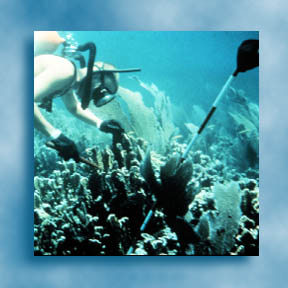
(41, 124)
(74, 107)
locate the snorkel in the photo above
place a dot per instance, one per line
(103, 94)
(86, 87)
(71, 50)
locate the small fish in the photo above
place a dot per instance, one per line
(245, 131)
(177, 137)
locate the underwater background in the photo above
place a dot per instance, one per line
(206, 206)
(192, 66)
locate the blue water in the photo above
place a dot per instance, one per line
(190, 67)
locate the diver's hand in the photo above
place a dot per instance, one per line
(66, 148)
(112, 126)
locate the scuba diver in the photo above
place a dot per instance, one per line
(59, 76)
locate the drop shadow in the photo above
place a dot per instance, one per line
(27, 253)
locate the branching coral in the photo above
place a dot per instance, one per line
(79, 211)
(76, 215)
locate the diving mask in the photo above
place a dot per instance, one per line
(106, 92)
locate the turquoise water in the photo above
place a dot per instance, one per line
(188, 66)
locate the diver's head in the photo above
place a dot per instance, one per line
(105, 82)
(100, 83)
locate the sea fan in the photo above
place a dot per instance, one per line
(174, 195)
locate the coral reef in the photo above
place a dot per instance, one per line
(205, 205)
(79, 211)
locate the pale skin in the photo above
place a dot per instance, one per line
(53, 73)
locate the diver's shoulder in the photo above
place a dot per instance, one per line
(50, 58)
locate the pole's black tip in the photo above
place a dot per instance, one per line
(235, 73)
(248, 56)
